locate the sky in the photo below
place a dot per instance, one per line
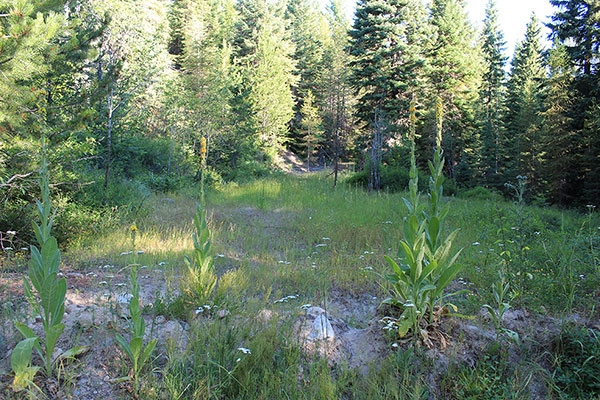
(513, 16)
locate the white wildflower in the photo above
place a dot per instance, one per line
(286, 298)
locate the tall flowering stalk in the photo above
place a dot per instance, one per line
(427, 266)
(202, 167)
(201, 276)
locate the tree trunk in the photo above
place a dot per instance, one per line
(171, 152)
(109, 143)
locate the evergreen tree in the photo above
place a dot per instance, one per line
(388, 40)
(591, 156)
(209, 76)
(311, 124)
(455, 76)
(577, 24)
(308, 31)
(337, 94)
(492, 96)
(559, 139)
(388, 44)
(271, 79)
(252, 15)
(28, 30)
(524, 105)
(177, 23)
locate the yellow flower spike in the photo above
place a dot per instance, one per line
(203, 150)
(439, 117)
(133, 228)
(413, 112)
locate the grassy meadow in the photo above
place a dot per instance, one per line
(285, 243)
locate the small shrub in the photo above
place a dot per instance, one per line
(480, 193)
(162, 182)
(396, 179)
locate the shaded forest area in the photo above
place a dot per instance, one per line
(124, 90)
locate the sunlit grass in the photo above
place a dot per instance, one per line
(300, 234)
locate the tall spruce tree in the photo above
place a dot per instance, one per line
(524, 105)
(576, 25)
(559, 138)
(337, 94)
(387, 43)
(309, 33)
(311, 124)
(492, 96)
(455, 71)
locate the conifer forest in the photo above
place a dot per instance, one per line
(298, 199)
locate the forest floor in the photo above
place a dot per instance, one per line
(288, 251)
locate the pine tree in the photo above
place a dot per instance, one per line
(308, 31)
(177, 23)
(338, 100)
(455, 68)
(387, 42)
(311, 124)
(577, 27)
(577, 24)
(28, 29)
(492, 96)
(591, 156)
(559, 138)
(208, 73)
(271, 79)
(524, 105)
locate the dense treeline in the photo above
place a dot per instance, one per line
(124, 90)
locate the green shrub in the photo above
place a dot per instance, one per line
(162, 182)
(248, 171)
(480, 193)
(395, 179)
(577, 362)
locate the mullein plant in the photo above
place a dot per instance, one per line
(135, 350)
(427, 264)
(45, 293)
(201, 278)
